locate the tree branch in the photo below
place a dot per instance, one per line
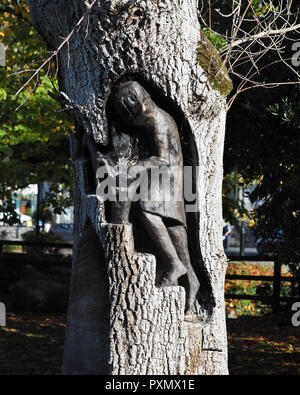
(55, 53)
(264, 34)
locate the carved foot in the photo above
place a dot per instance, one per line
(171, 277)
(194, 286)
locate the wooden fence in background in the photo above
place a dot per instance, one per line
(38, 244)
(274, 299)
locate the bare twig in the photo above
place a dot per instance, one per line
(264, 34)
(253, 36)
(262, 85)
(56, 52)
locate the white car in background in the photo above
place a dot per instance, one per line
(24, 219)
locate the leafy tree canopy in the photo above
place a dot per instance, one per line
(278, 217)
(33, 134)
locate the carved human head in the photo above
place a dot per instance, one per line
(128, 100)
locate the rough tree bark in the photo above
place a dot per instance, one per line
(116, 314)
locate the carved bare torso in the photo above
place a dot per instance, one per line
(160, 132)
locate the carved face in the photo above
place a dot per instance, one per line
(129, 100)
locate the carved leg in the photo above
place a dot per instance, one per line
(179, 238)
(121, 209)
(120, 212)
(157, 230)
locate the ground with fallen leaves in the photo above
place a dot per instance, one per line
(267, 345)
(33, 344)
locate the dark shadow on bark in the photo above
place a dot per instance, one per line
(89, 308)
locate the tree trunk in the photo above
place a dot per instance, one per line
(118, 321)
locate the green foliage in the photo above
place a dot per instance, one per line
(45, 214)
(34, 143)
(57, 199)
(7, 212)
(233, 209)
(12, 248)
(280, 187)
(261, 8)
(286, 111)
(220, 43)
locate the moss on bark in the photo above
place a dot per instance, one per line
(211, 62)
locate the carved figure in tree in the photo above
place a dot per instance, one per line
(108, 308)
(164, 221)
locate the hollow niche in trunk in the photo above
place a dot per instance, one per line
(146, 143)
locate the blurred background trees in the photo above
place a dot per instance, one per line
(262, 136)
(34, 145)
